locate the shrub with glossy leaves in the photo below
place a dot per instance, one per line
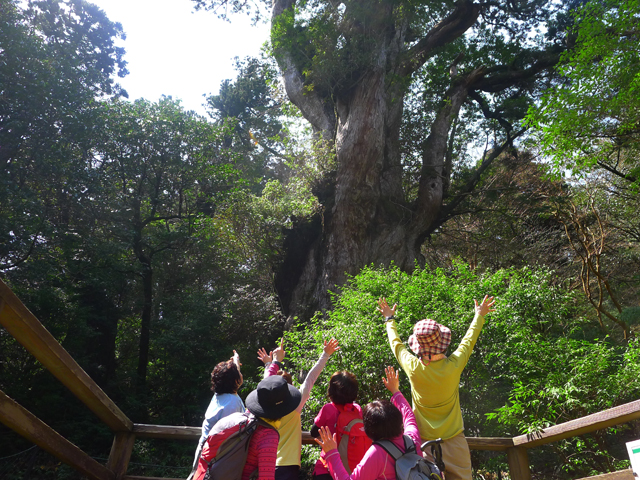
(537, 361)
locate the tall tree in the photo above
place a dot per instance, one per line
(57, 58)
(158, 171)
(252, 110)
(349, 67)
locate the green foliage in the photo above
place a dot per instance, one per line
(537, 363)
(56, 58)
(250, 107)
(97, 196)
(224, 8)
(590, 116)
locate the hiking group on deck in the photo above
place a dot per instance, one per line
(383, 440)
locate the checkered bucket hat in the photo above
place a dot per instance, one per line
(429, 338)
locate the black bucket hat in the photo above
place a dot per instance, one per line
(274, 398)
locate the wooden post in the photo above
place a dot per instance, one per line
(35, 430)
(121, 453)
(518, 463)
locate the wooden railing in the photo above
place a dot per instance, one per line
(27, 330)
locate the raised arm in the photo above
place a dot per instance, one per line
(279, 353)
(392, 382)
(236, 359)
(384, 308)
(463, 352)
(486, 306)
(329, 348)
(265, 357)
(407, 360)
(272, 360)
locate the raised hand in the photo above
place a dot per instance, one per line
(384, 309)
(278, 353)
(486, 305)
(326, 440)
(236, 359)
(330, 346)
(265, 357)
(392, 382)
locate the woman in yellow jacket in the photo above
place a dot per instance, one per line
(435, 379)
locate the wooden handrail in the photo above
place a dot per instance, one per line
(490, 443)
(120, 454)
(580, 426)
(35, 430)
(167, 431)
(619, 475)
(136, 477)
(193, 433)
(28, 330)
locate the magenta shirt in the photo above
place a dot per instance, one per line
(377, 464)
(328, 417)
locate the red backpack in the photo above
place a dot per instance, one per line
(224, 454)
(352, 441)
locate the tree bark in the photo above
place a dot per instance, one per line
(367, 218)
(146, 273)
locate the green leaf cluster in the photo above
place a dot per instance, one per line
(589, 116)
(537, 361)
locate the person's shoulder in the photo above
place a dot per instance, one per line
(375, 455)
(229, 400)
(328, 413)
(266, 434)
(226, 397)
(329, 407)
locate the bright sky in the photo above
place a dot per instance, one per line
(175, 51)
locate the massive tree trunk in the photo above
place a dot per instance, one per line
(367, 217)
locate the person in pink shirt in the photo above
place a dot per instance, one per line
(342, 391)
(383, 419)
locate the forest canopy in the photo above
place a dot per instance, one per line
(430, 153)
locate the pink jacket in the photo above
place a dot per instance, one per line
(377, 464)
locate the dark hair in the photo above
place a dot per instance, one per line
(343, 387)
(286, 375)
(382, 419)
(225, 378)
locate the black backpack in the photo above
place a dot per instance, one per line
(410, 465)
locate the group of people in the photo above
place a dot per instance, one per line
(275, 448)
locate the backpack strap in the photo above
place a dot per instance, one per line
(393, 450)
(265, 424)
(353, 422)
(409, 445)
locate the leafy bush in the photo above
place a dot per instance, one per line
(537, 362)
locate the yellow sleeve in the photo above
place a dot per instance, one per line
(407, 361)
(463, 352)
